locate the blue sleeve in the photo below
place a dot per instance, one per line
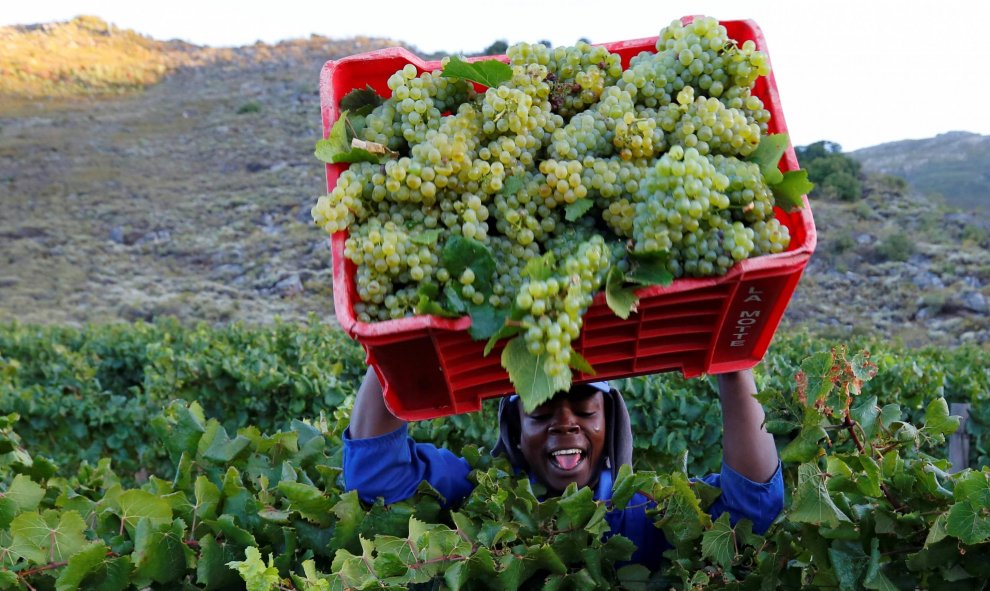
(633, 523)
(393, 465)
(760, 502)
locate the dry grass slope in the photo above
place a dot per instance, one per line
(84, 55)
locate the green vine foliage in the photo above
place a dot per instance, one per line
(869, 505)
(97, 386)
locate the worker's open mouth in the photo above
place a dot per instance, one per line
(567, 459)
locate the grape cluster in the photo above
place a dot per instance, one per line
(554, 305)
(654, 155)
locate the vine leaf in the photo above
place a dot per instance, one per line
(968, 518)
(875, 579)
(812, 502)
(255, 572)
(337, 146)
(510, 327)
(361, 101)
(460, 254)
(490, 73)
(649, 269)
(804, 447)
(134, 505)
(308, 501)
(620, 299)
(513, 185)
(578, 362)
(211, 569)
(159, 554)
(937, 532)
(767, 155)
(938, 420)
(49, 537)
(684, 520)
(719, 543)
(24, 494)
(526, 372)
(793, 185)
(574, 211)
(94, 566)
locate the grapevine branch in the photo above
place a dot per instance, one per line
(851, 425)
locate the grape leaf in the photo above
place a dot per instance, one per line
(627, 483)
(80, 565)
(510, 327)
(804, 447)
(134, 505)
(819, 374)
(216, 444)
(936, 533)
(180, 428)
(649, 269)
(767, 155)
(458, 255)
(308, 501)
(512, 185)
(621, 300)
(337, 146)
(349, 515)
(577, 507)
(23, 495)
(93, 565)
(461, 253)
(48, 537)
(211, 569)
(361, 101)
(684, 520)
(578, 362)
(874, 578)
(526, 372)
(254, 571)
(428, 294)
(793, 185)
(719, 543)
(426, 237)
(633, 576)
(574, 211)
(485, 321)
(812, 502)
(207, 497)
(314, 581)
(865, 412)
(937, 419)
(540, 268)
(490, 73)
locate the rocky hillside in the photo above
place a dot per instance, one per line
(191, 198)
(955, 165)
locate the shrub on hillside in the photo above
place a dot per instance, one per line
(896, 247)
(835, 175)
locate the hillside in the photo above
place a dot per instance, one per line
(192, 198)
(955, 165)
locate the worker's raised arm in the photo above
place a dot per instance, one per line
(370, 417)
(747, 447)
(381, 460)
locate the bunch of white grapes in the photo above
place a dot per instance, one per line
(656, 151)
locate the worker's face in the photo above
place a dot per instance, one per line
(562, 440)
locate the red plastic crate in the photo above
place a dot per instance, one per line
(429, 366)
